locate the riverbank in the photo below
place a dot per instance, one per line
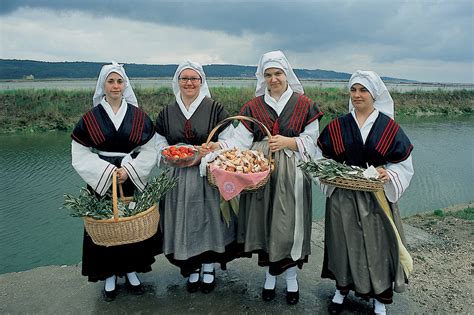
(42, 110)
(440, 243)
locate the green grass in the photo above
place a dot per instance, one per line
(465, 214)
(50, 109)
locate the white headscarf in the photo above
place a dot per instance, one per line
(383, 102)
(276, 59)
(203, 91)
(128, 94)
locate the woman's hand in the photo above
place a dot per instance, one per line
(278, 142)
(383, 175)
(122, 175)
(205, 149)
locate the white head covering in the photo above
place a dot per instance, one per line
(204, 91)
(276, 59)
(128, 94)
(383, 102)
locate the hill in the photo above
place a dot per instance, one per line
(12, 69)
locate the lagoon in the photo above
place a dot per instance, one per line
(36, 171)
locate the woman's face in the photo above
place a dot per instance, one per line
(114, 86)
(361, 97)
(189, 83)
(276, 80)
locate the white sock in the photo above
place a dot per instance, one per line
(133, 278)
(379, 308)
(207, 278)
(110, 283)
(194, 277)
(338, 297)
(291, 283)
(270, 281)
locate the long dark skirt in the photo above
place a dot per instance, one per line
(194, 231)
(101, 262)
(268, 218)
(361, 249)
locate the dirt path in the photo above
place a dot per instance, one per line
(442, 281)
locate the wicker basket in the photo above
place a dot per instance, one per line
(354, 184)
(120, 231)
(211, 179)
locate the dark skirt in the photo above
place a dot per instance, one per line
(360, 246)
(267, 218)
(101, 262)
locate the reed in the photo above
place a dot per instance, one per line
(50, 109)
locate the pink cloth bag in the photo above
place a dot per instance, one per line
(231, 184)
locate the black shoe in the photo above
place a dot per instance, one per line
(134, 289)
(292, 298)
(208, 287)
(192, 287)
(335, 308)
(109, 296)
(268, 294)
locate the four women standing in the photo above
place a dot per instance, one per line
(364, 242)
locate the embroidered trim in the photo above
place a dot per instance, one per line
(137, 126)
(387, 137)
(93, 128)
(336, 136)
(188, 133)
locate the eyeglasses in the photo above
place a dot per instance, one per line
(192, 79)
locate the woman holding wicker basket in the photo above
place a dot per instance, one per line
(364, 242)
(275, 222)
(115, 136)
(194, 234)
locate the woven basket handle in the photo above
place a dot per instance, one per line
(256, 121)
(114, 195)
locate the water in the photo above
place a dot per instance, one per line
(36, 171)
(89, 84)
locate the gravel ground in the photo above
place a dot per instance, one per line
(442, 281)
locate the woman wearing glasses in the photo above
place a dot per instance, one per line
(194, 235)
(275, 222)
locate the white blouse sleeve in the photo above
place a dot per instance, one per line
(306, 141)
(240, 138)
(139, 168)
(225, 137)
(96, 172)
(400, 176)
(160, 142)
(326, 189)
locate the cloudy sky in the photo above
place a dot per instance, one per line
(424, 40)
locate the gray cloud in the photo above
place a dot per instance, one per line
(370, 32)
(404, 29)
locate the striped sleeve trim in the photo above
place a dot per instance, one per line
(105, 179)
(134, 177)
(397, 183)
